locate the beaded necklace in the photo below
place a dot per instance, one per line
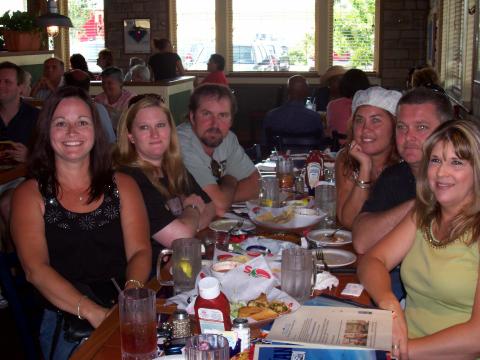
(428, 233)
(435, 243)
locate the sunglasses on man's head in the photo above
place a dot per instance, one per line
(137, 98)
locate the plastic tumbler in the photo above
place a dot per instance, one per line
(298, 273)
(207, 347)
(138, 326)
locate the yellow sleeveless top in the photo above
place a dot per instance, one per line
(440, 285)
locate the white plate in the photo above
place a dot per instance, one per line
(341, 237)
(227, 224)
(338, 257)
(275, 246)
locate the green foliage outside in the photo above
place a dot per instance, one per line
(354, 32)
(300, 54)
(79, 13)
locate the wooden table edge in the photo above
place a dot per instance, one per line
(96, 341)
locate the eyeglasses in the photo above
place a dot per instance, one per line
(137, 98)
(217, 168)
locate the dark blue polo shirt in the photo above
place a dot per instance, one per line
(20, 128)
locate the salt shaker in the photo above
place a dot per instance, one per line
(181, 324)
(242, 329)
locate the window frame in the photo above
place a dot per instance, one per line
(323, 36)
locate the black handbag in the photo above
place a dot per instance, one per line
(75, 329)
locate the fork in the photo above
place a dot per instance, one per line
(321, 258)
(332, 234)
(236, 227)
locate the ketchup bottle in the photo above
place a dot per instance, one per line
(314, 170)
(212, 309)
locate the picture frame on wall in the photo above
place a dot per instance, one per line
(136, 36)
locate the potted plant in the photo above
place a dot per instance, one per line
(20, 32)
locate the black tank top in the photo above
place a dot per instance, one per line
(88, 247)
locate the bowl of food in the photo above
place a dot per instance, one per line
(220, 268)
(285, 218)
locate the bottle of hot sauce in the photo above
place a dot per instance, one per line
(314, 170)
(212, 309)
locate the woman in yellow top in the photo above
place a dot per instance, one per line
(437, 243)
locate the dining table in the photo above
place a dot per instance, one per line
(12, 173)
(104, 342)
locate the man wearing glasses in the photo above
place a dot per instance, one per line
(211, 152)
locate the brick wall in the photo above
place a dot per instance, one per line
(403, 39)
(402, 44)
(117, 10)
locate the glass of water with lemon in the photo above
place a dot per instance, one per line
(186, 263)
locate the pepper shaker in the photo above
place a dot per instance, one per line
(181, 324)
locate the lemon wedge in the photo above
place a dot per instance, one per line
(186, 268)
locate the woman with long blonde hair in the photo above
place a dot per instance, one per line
(148, 150)
(437, 244)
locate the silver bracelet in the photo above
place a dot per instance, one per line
(78, 306)
(363, 184)
(360, 183)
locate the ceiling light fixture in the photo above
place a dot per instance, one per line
(52, 20)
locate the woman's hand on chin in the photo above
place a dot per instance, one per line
(357, 153)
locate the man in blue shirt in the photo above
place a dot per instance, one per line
(293, 117)
(17, 118)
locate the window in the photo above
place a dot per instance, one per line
(13, 5)
(275, 35)
(87, 36)
(354, 34)
(278, 35)
(457, 50)
(195, 35)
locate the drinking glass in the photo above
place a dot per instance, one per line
(138, 327)
(270, 192)
(222, 240)
(329, 172)
(298, 273)
(186, 263)
(285, 173)
(207, 347)
(325, 199)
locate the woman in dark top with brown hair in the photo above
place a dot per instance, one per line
(165, 64)
(75, 222)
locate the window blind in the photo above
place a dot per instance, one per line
(453, 46)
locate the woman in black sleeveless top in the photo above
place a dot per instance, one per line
(75, 222)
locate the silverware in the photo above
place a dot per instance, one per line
(321, 258)
(236, 227)
(331, 235)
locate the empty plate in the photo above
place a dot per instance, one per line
(338, 257)
(321, 237)
(228, 224)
